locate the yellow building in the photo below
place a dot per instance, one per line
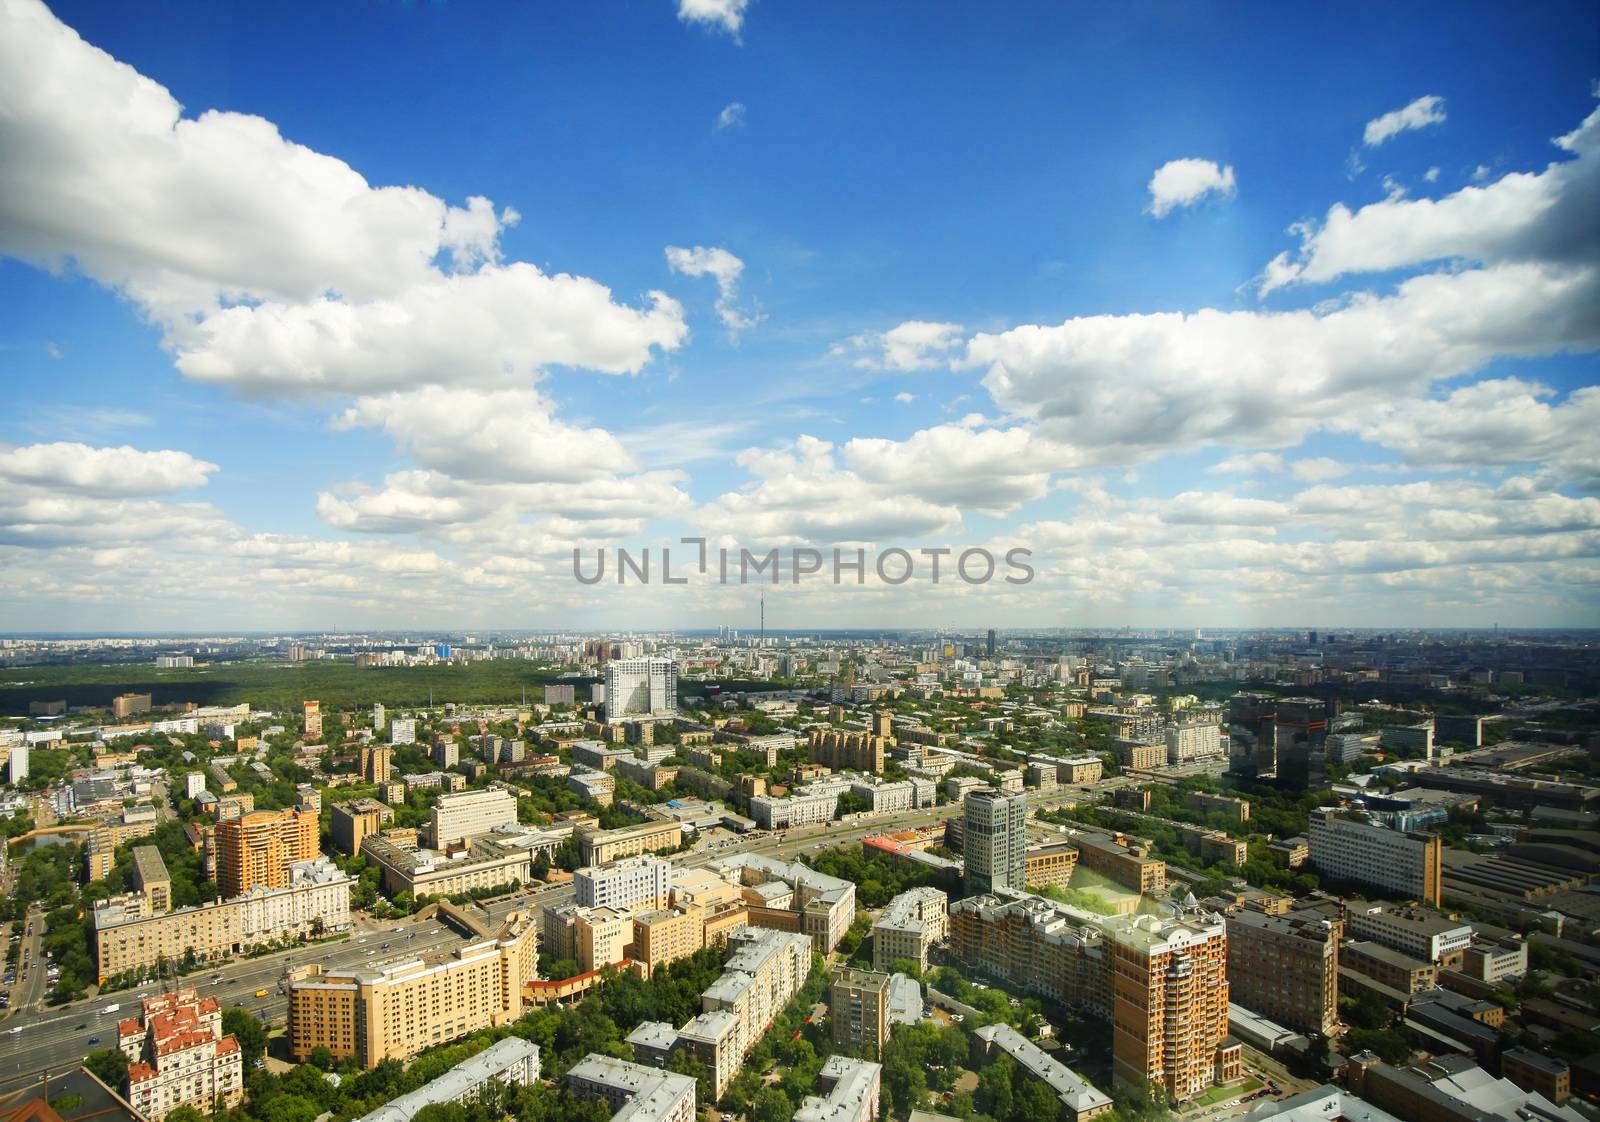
(257, 849)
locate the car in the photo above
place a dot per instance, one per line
(261, 993)
(94, 1040)
(81, 1027)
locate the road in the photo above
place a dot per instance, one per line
(59, 1037)
(31, 985)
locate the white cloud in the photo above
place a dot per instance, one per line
(913, 345)
(1425, 111)
(508, 435)
(1546, 215)
(728, 15)
(905, 398)
(107, 472)
(732, 115)
(52, 350)
(1318, 469)
(1497, 422)
(1248, 463)
(1179, 183)
(1117, 389)
(1431, 175)
(267, 265)
(713, 261)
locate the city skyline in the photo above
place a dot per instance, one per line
(303, 339)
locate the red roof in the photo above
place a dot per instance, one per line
(227, 1045)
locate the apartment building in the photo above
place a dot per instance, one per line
(602, 847)
(1078, 1098)
(913, 921)
(257, 849)
(512, 1062)
(313, 720)
(994, 840)
(402, 730)
(100, 850)
(178, 1056)
(765, 969)
(354, 821)
(464, 815)
(396, 1011)
(858, 1009)
(1285, 968)
(150, 877)
(1141, 755)
(1080, 770)
(634, 883)
(130, 939)
(843, 750)
(815, 904)
(601, 936)
(885, 797)
(1169, 981)
(1122, 859)
(1388, 967)
(1204, 802)
(128, 704)
(1408, 864)
(806, 808)
(633, 1092)
(1035, 944)
(1194, 739)
(668, 934)
(850, 1091)
(377, 762)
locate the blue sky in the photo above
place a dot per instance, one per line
(798, 275)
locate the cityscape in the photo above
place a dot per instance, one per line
(746, 561)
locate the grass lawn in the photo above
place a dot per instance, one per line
(1222, 1094)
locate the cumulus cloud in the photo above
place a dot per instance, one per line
(1425, 111)
(1548, 215)
(267, 265)
(724, 15)
(913, 345)
(716, 262)
(1248, 463)
(905, 398)
(1318, 469)
(508, 435)
(1126, 388)
(106, 472)
(1181, 183)
(732, 115)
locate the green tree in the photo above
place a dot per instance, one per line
(110, 1066)
(1034, 1100)
(248, 1031)
(771, 1105)
(994, 1087)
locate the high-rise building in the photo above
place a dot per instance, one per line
(313, 720)
(17, 764)
(178, 1056)
(1169, 995)
(256, 850)
(379, 719)
(354, 821)
(990, 646)
(1403, 862)
(641, 687)
(403, 730)
(858, 1009)
(377, 762)
(994, 841)
(914, 921)
(446, 752)
(1286, 968)
(127, 704)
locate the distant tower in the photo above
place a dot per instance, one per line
(991, 642)
(762, 641)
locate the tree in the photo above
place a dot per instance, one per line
(321, 1057)
(771, 1105)
(248, 1031)
(994, 1087)
(184, 1114)
(541, 866)
(1034, 1100)
(109, 1066)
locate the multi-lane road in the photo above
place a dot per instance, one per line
(32, 1040)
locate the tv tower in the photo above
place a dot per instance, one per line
(762, 640)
